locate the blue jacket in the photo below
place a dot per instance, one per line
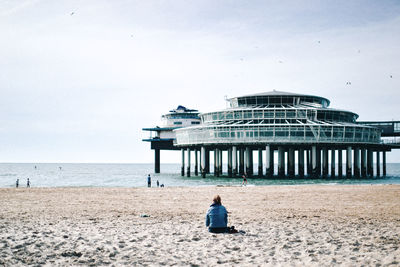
(216, 216)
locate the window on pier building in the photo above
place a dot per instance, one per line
(397, 127)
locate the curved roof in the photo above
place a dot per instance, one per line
(281, 93)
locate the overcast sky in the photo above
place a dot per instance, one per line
(80, 79)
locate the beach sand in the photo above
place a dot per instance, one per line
(313, 225)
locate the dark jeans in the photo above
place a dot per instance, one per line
(218, 230)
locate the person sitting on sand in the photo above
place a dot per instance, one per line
(217, 218)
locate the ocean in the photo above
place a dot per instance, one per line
(135, 175)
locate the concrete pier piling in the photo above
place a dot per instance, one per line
(241, 163)
(309, 165)
(157, 160)
(281, 162)
(234, 161)
(183, 162)
(370, 162)
(188, 165)
(260, 163)
(196, 166)
(363, 162)
(291, 163)
(325, 162)
(357, 162)
(378, 163)
(203, 162)
(348, 162)
(229, 162)
(384, 163)
(340, 163)
(269, 162)
(301, 162)
(248, 161)
(333, 162)
(313, 161)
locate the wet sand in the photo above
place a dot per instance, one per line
(313, 225)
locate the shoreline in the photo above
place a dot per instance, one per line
(297, 225)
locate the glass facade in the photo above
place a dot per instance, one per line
(277, 117)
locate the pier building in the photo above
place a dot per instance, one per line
(164, 137)
(290, 127)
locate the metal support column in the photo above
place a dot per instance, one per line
(188, 166)
(216, 157)
(234, 161)
(333, 162)
(183, 162)
(325, 162)
(207, 167)
(308, 160)
(220, 161)
(196, 166)
(291, 162)
(260, 163)
(281, 162)
(340, 163)
(241, 161)
(247, 160)
(357, 162)
(251, 162)
(269, 161)
(203, 162)
(229, 162)
(314, 159)
(348, 162)
(384, 162)
(370, 162)
(378, 163)
(301, 162)
(363, 162)
(319, 162)
(156, 160)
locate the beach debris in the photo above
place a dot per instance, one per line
(71, 254)
(144, 215)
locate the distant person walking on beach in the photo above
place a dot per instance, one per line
(17, 183)
(217, 218)
(148, 181)
(244, 179)
(158, 183)
(28, 183)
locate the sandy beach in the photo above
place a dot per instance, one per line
(309, 225)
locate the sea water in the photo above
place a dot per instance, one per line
(135, 175)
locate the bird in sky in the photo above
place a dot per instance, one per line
(348, 83)
(391, 76)
(72, 13)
